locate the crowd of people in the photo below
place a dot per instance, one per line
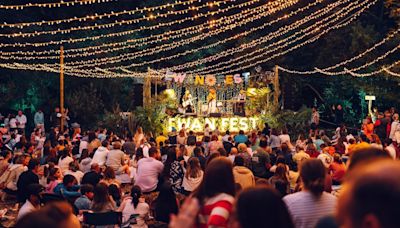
(262, 178)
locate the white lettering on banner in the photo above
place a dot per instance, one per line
(233, 124)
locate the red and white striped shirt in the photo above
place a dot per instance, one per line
(216, 211)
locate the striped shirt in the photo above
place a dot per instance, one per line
(216, 211)
(306, 209)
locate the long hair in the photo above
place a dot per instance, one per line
(252, 212)
(312, 173)
(194, 168)
(101, 197)
(281, 172)
(136, 193)
(218, 178)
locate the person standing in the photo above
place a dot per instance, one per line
(21, 121)
(39, 119)
(339, 113)
(314, 121)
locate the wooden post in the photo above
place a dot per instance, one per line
(62, 88)
(277, 91)
(147, 89)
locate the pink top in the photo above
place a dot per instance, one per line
(50, 187)
(147, 174)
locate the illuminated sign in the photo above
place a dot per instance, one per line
(233, 124)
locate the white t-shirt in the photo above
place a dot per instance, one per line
(25, 209)
(13, 123)
(77, 174)
(64, 164)
(141, 208)
(100, 156)
(306, 209)
(21, 120)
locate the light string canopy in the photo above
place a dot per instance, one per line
(263, 60)
(254, 43)
(282, 31)
(104, 15)
(225, 24)
(53, 4)
(133, 31)
(128, 22)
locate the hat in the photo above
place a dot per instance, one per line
(34, 189)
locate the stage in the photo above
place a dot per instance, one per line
(197, 124)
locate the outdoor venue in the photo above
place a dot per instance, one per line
(199, 113)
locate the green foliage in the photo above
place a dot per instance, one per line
(150, 118)
(86, 106)
(113, 121)
(295, 122)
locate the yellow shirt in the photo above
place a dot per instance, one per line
(160, 138)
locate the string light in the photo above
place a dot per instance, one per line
(386, 39)
(257, 42)
(100, 16)
(128, 32)
(125, 22)
(53, 5)
(226, 24)
(110, 61)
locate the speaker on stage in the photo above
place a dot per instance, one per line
(216, 114)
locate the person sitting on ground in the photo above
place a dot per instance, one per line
(9, 179)
(57, 214)
(100, 155)
(252, 212)
(115, 194)
(116, 160)
(214, 144)
(85, 161)
(53, 179)
(32, 202)
(216, 193)
(300, 155)
(68, 188)
(148, 171)
(242, 175)
(166, 203)
(337, 169)
(102, 202)
(173, 171)
(129, 146)
(64, 160)
(85, 200)
(74, 171)
(134, 205)
(193, 175)
(92, 177)
(280, 180)
(28, 177)
(191, 139)
(244, 153)
(240, 138)
(109, 177)
(312, 203)
(370, 195)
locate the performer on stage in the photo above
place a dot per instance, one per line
(212, 101)
(187, 102)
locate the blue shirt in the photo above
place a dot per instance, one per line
(240, 138)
